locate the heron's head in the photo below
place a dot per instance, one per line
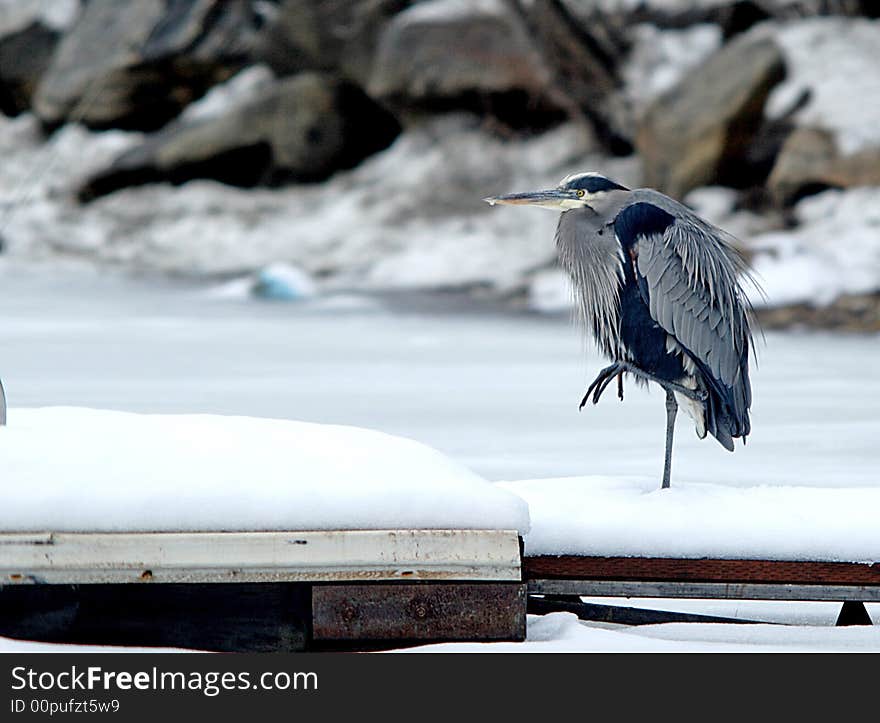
(580, 190)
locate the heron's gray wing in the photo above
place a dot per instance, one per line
(688, 276)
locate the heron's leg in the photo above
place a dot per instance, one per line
(695, 394)
(671, 410)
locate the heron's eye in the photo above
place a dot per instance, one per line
(581, 192)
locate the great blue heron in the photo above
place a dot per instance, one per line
(660, 289)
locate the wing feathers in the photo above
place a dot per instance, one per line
(691, 275)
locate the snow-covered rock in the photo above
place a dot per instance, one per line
(661, 58)
(833, 59)
(410, 216)
(69, 469)
(835, 250)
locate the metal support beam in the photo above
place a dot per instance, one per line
(853, 613)
(709, 590)
(618, 613)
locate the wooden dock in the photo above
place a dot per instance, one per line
(263, 591)
(360, 590)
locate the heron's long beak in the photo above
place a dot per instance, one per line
(554, 198)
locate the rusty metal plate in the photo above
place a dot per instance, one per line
(419, 612)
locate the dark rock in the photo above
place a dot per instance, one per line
(441, 54)
(698, 133)
(136, 65)
(582, 46)
(811, 162)
(24, 57)
(338, 36)
(303, 128)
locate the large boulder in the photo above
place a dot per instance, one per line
(831, 97)
(301, 128)
(582, 45)
(24, 57)
(327, 35)
(810, 161)
(451, 53)
(698, 132)
(136, 65)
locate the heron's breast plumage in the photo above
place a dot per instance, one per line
(590, 254)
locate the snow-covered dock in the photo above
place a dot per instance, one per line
(236, 533)
(252, 534)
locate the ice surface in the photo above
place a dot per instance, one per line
(618, 517)
(497, 392)
(68, 469)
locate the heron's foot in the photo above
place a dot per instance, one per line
(601, 382)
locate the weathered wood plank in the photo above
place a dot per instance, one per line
(418, 612)
(201, 557)
(660, 569)
(710, 590)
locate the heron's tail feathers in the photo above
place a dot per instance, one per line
(726, 408)
(718, 424)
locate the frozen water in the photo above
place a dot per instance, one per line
(498, 393)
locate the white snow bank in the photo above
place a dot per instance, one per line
(69, 469)
(835, 59)
(633, 517)
(834, 250)
(564, 633)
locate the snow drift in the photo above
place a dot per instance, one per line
(67, 469)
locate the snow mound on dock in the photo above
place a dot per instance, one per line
(605, 516)
(69, 469)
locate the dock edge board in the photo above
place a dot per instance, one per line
(277, 556)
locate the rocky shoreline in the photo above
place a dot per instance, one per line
(355, 140)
